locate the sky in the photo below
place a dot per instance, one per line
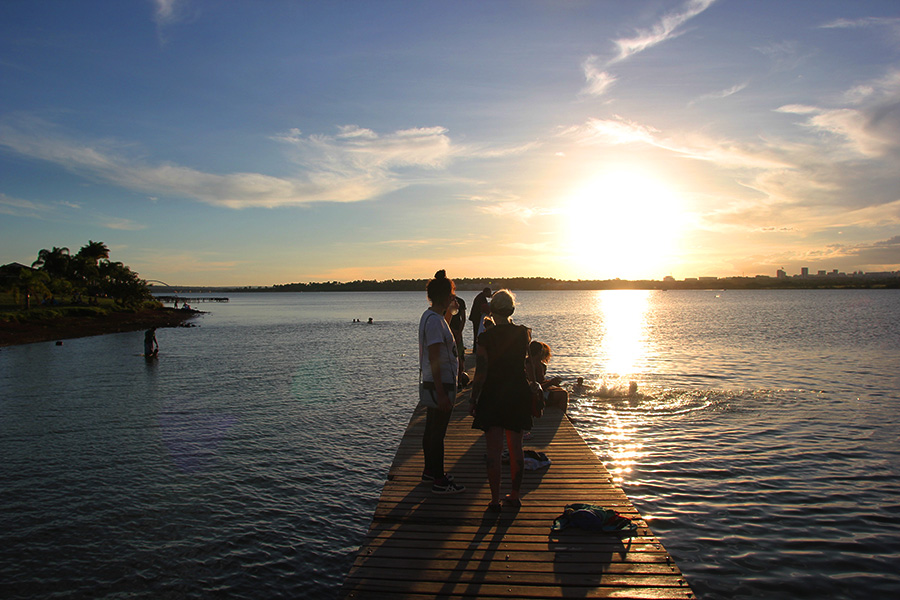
(261, 143)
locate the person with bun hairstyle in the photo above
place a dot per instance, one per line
(439, 363)
(502, 395)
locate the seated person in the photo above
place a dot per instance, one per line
(536, 365)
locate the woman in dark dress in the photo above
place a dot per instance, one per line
(501, 395)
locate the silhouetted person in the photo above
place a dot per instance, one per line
(439, 365)
(502, 395)
(151, 346)
(479, 305)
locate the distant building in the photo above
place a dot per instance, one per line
(781, 274)
(804, 271)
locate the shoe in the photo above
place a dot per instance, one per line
(514, 502)
(447, 487)
(430, 477)
(494, 508)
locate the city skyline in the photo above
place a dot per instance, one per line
(234, 144)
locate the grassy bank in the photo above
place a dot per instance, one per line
(49, 323)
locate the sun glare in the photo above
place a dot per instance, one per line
(623, 223)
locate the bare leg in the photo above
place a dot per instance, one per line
(516, 461)
(494, 441)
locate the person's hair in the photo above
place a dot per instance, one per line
(440, 288)
(503, 303)
(539, 350)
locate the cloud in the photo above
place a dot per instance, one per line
(869, 125)
(599, 79)
(122, 224)
(357, 150)
(725, 153)
(16, 207)
(865, 22)
(355, 164)
(784, 56)
(666, 29)
(877, 256)
(500, 204)
(167, 11)
(721, 94)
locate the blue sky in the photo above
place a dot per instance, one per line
(256, 143)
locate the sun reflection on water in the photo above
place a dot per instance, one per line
(623, 347)
(622, 352)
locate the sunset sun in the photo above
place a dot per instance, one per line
(623, 223)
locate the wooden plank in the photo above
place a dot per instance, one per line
(422, 545)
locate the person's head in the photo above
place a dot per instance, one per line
(580, 381)
(539, 351)
(486, 291)
(440, 289)
(503, 303)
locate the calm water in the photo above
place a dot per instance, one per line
(246, 462)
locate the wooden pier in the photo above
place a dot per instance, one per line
(422, 545)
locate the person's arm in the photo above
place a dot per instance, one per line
(481, 370)
(434, 359)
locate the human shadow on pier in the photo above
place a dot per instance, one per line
(422, 543)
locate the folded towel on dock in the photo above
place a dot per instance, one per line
(592, 518)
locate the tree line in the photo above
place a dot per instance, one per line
(84, 275)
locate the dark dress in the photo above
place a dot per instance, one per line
(505, 399)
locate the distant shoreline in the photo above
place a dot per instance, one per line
(827, 282)
(48, 330)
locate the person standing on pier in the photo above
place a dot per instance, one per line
(478, 306)
(439, 363)
(502, 395)
(457, 322)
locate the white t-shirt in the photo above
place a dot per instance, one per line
(433, 329)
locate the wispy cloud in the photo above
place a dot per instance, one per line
(506, 205)
(891, 22)
(596, 70)
(869, 124)
(353, 165)
(17, 207)
(665, 29)
(122, 224)
(726, 153)
(721, 93)
(784, 55)
(167, 11)
(598, 80)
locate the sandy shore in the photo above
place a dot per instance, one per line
(12, 334)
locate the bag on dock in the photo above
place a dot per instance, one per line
(592, 518)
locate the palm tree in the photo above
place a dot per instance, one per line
(85, 267)
(53, 262)
(93, 251)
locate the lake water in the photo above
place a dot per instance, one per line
(763, 445)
